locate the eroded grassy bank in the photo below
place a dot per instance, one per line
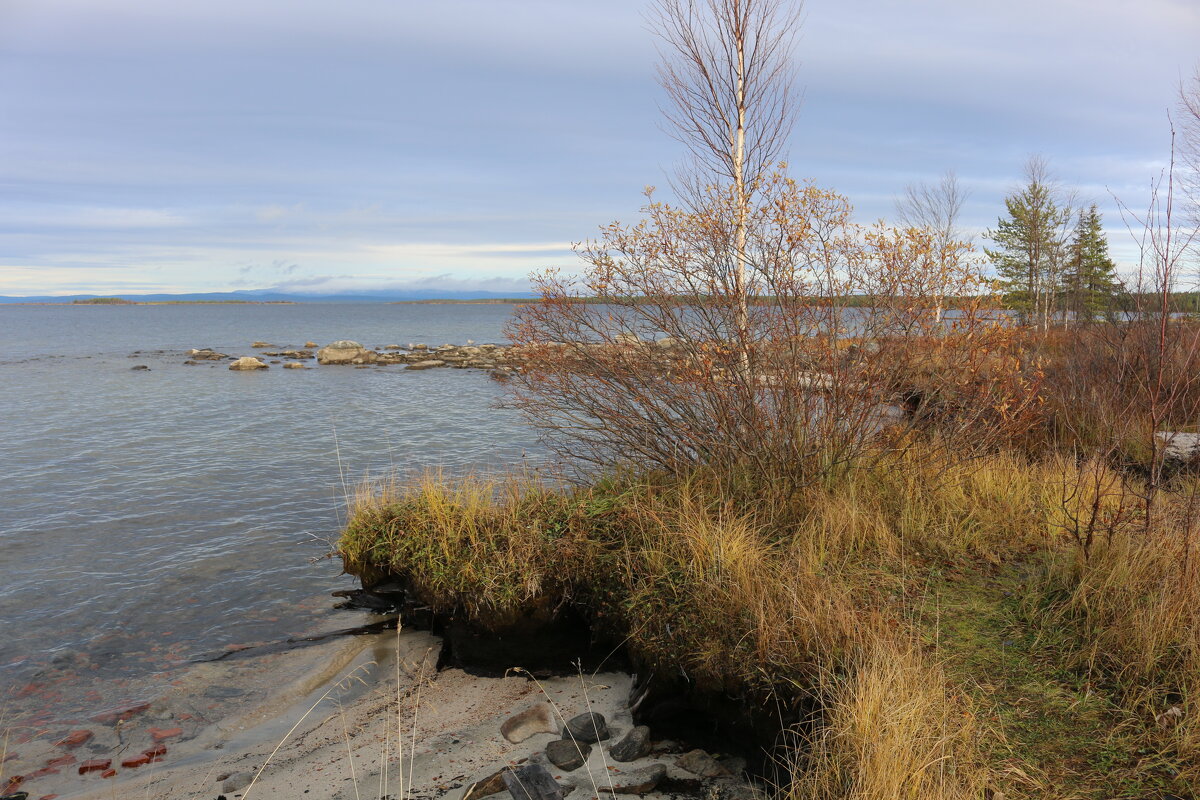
(930, 627)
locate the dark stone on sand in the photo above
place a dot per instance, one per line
(224, 692)
(140, 368)
(532, 782)
(638, 782)
(587, 728)
(568, 755)
(634, 745)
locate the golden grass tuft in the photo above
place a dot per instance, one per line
(890, 731)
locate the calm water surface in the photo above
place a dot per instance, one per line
(151, 517)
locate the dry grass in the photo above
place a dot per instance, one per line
(485, 546)
(1134, 604)
(891, 731)
(820, 599)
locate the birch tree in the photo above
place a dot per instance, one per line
(727, 71)
(935, 207)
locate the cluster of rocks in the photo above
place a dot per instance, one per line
(417, 356)
(584, 752)
(349, 353)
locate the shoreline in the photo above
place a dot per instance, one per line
(332, 731)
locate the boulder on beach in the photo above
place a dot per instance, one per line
(635, 745)
(568, 755)
(345, 351)
(427, 364)
(590, 727)
(639, 782)
(247, 363)
(532, 782)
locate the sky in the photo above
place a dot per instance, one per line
(314, 146)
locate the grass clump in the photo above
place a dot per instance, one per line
(488, 547)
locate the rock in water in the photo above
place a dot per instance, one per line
(640, 781)
(248, 362)
(427, 364)
(345, 351)
(530, 722)
(206, 354)
(532, 782)
(568, 755)
(587, 728)
(634, 745)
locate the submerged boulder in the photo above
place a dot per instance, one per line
(345, 351)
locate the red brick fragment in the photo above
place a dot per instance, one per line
(108, 773)
(41, 773)
(75, 738)
(136, 761)
(95, 765)
(48, 797)
(156, 751)
(61, 761)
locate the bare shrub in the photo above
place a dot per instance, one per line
(645, 356)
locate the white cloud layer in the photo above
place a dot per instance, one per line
(202, 145)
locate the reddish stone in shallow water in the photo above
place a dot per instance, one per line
(95, 765)
(156, 751)
(48, 797)
(136, 761)
(61, 761)
(75, 738)
(162, 734)
(41, 772)
(121, 713)
(108, 773)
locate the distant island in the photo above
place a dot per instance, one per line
(121, 301)
(272, 296)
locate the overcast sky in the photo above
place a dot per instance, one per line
(207, 145)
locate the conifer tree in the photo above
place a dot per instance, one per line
(1030, 253)
(1091, 276)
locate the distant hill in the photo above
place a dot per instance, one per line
(261, 296)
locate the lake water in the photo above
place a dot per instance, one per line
(149, 518)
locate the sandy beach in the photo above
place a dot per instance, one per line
(354, 717)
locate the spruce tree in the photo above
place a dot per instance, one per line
(1091, 279)
(1030, 254)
